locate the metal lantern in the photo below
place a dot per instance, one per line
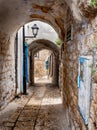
(35, 29)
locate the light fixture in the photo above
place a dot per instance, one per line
(35, 29)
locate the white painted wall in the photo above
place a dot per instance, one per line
(45, 31)
(20, 61)
(84, 87)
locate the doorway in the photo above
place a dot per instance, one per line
(42, 66)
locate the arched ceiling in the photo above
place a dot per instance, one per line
(15, 13)
(40, 44)
(40, 49)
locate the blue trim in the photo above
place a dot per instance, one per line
(82, 59)
(47, 64)
(78, 81)
(82, 116)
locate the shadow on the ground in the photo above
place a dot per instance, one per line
(42, 111)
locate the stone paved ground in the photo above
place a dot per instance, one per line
(40, 110)
(44, 79)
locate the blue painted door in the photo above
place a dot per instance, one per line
(26, 61)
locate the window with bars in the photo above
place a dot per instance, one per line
(69, 33)
(36, 55)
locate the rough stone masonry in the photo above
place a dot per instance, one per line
(14, 14)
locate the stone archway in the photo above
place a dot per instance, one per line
(41, 44)
(56, 13)
(60, 15)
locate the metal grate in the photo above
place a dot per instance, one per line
(68, 34)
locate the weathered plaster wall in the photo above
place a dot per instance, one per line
(69, 73)
(87, 41)
(7, 69)
(84, 36)
(93, 110)
(70, 89)
(92, 39)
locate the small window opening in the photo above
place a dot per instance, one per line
(69, 34)
(36, 55)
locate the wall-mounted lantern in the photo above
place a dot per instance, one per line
(35, 29)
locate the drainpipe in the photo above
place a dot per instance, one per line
(24, 62)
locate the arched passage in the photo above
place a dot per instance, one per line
(56, 13)
(41, 44)
(60, 15)
(43, 66)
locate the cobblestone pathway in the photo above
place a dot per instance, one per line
(41, 110)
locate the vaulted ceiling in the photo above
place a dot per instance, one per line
(15, 13)
(41, 44)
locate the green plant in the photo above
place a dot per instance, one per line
(95, 45)
(94, 70)
(91, 65)
(58, 41)
(93, 3)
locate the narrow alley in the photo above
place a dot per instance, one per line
(54, 41)
(42, 110)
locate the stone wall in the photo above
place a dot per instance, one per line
(84, 37)
(70, 89)
(69, 65)
(59, 17)
(40, 66)
(87, 43)
(55, 64)
(93, 108)
(39, 63)
(7, 70)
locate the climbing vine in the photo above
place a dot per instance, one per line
(58, 41)
(93, 3)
